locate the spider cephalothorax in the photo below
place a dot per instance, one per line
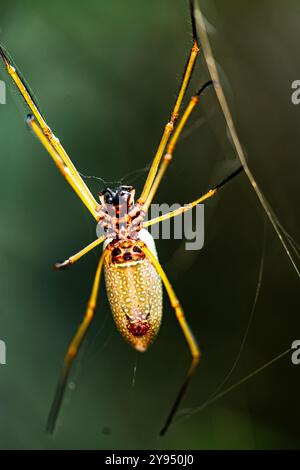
(120, 217)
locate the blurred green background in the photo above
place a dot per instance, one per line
(106, 75)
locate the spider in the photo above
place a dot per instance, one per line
(133, 274)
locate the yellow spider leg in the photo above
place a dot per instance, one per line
(79, 255)
(61, 166)
(74, 347)
(46, 129)
(186, 331)
(190, 206)
(158, 156)
(175, 112)
(172, 144)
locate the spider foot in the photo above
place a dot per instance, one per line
(60, 266)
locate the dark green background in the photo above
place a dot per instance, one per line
(106, 75)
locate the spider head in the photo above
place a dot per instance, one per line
(123, 195)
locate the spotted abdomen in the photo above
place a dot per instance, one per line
(134, 292)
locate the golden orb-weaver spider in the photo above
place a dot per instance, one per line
(133, 273)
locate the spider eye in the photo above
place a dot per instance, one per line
(108, 196)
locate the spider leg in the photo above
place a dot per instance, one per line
(91, 203)
(189, 206)
(32, 124)
(172, 144)
(195, 353)
(175, 112)
(73, 349)
(68, 262)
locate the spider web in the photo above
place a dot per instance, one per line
(212, 68)
(290, 246)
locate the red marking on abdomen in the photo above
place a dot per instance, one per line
(138, 328)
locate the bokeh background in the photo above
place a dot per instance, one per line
(106, 75)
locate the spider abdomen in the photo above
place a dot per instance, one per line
(134, 292)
